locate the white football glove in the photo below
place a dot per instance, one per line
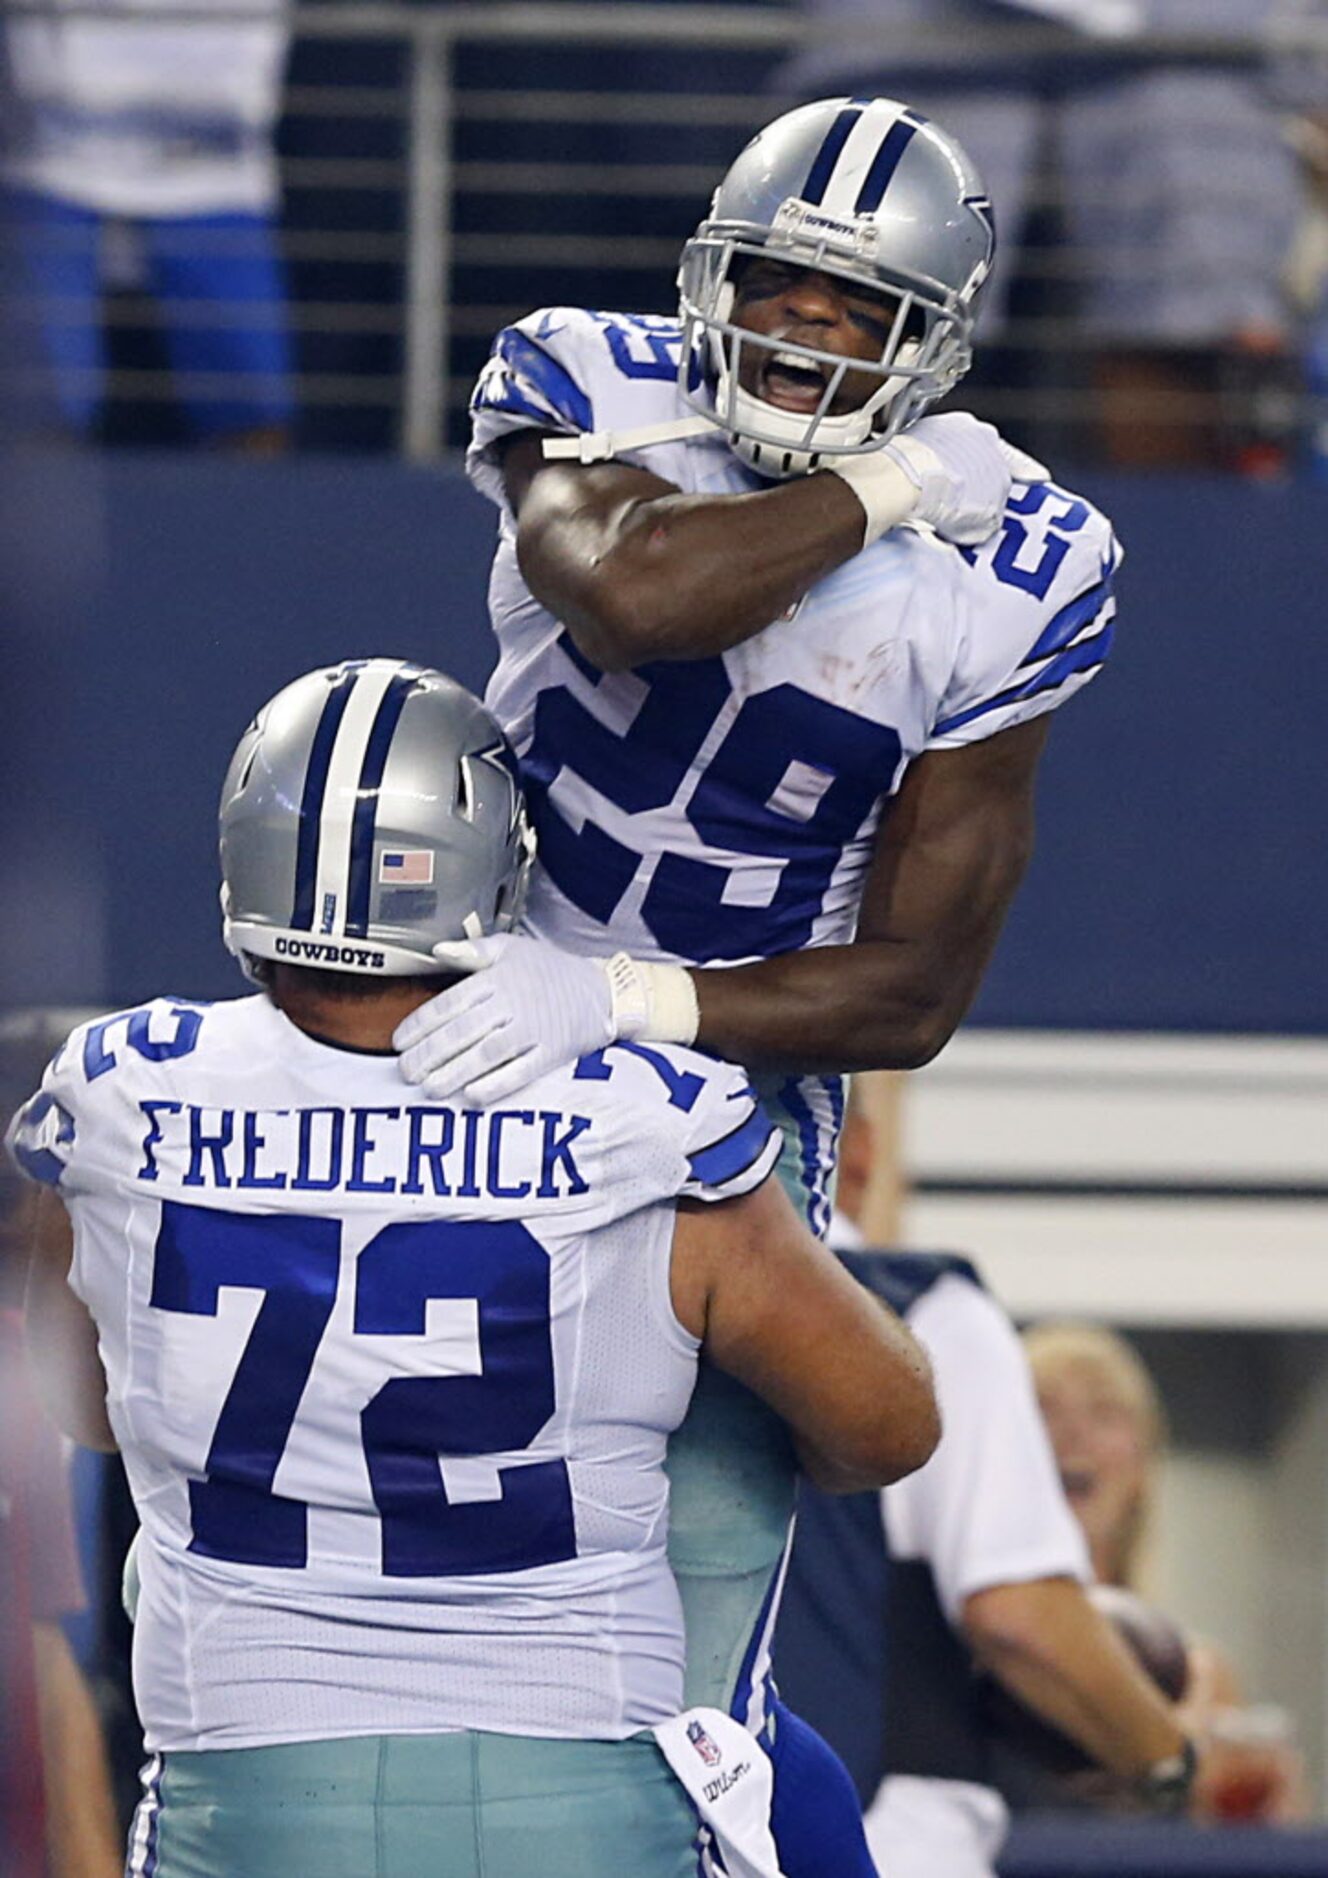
(527, 1008)
(952, 471)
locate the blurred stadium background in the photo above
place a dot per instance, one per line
(1133, 1125)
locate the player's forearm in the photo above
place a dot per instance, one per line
(830, 1475)
(678, 576)
(871, 1005)
(954, 849)
(1052, 1649)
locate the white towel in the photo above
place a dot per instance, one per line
(731, 1782)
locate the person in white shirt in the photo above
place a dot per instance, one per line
(1181, 302)
(976, 1562)
(142, 155)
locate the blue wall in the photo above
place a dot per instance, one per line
(1180, 879)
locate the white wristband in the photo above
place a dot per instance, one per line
(651, 1003)
(883, 486)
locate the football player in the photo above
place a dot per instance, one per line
(766, 730)
(392, 1379)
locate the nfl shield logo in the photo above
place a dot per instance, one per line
(703, 1744)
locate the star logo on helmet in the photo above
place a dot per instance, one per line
(983, 212)
(495, 756)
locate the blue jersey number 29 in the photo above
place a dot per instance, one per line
(846, 763)
(411, 1421)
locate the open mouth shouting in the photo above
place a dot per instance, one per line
(792, 382)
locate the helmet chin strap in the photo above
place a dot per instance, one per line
(597, 446)
(776, 456)
(778, 461)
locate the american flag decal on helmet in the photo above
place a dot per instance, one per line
(406, 867)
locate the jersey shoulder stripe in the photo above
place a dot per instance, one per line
(528, 380)
(40, 1138)
(1066, 625)
(1039, 606)
(724, 1162)
(708, 1110)
(1081, 658)
(43, 1137)
(571, 370)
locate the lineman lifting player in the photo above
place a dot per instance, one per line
(392, 1380)
(777, 652)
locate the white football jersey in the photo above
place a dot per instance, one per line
(724, 809)
(392, 1379)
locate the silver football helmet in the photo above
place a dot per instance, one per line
(371, 811)
(869, 191)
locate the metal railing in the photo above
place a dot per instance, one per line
(444, 179)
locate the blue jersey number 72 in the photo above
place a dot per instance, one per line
(295, 1261)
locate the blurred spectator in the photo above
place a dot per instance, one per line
(142, 156)
(1177, 190)
(57, 1819)
(1308, 280)
(893, 1600)
(1302, 74)
(1108, 1430)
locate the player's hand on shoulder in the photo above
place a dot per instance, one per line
(525, 1009)
(963, 470)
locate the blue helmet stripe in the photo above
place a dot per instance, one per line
(359, 882)
(311, 803)
(884, 164)
(818, 178)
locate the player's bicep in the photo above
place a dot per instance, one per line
(778, 1312)
(575, 523)
(61, 1334)
(545, 496)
